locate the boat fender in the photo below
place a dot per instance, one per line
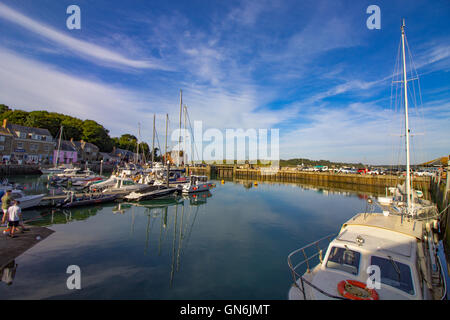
(351, 289)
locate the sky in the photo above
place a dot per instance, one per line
(312, 69)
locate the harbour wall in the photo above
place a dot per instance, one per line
(18, 169)
(377, 181)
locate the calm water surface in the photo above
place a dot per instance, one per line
(229, 244)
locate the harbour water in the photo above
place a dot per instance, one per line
(230, 243)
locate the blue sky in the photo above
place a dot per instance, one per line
(312, 69)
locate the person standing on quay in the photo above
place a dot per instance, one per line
(6, 202)
(14, 214)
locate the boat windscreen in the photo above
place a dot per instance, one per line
(394, 273)
(344, 259)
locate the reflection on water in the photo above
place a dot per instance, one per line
(230, 243)
(8, 272)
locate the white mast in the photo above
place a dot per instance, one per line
(405, 83)
(153, 141)
(184, 137)
(137, 147)
(165, 148)
(179, 139)
(59, 146)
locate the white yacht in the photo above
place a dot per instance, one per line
(111, 181)
(26, 201)
(54, 170)
(125, 184)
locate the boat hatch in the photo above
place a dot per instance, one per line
(395, 274)
(344, 259)
(378, 240)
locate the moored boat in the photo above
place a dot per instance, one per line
(26, 201)
(399, 248)
(196, 184)
(86, 200)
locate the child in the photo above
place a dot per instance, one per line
(14, 213)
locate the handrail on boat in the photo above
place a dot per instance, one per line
(306, 259)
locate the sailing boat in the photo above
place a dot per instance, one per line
(375, 256)
(55, 168)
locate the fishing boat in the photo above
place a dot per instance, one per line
(26, 201)
(196, 184)
(391, 255)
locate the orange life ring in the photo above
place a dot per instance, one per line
(343, 290)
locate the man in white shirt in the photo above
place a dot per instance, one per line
(14, 213)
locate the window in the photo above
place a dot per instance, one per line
(19, 145)
(2, 148)
(394, 273)
(46, 148)
(2, 138)
(33, 147)
(21, 135)
(344, 259)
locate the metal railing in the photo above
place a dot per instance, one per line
(317, 247)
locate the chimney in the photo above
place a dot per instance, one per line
(5, 123)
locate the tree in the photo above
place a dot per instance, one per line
(15, 116)
(3, 108)
(96, 134)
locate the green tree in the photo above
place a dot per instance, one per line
(15, 116)
(3, 108)
(96, 134)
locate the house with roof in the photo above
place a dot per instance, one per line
(30, 144)
(6, 144)
(67, 153)
(109, 158)
(86, 151)
(123, 155)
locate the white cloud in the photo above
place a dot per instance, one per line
(81, 47)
